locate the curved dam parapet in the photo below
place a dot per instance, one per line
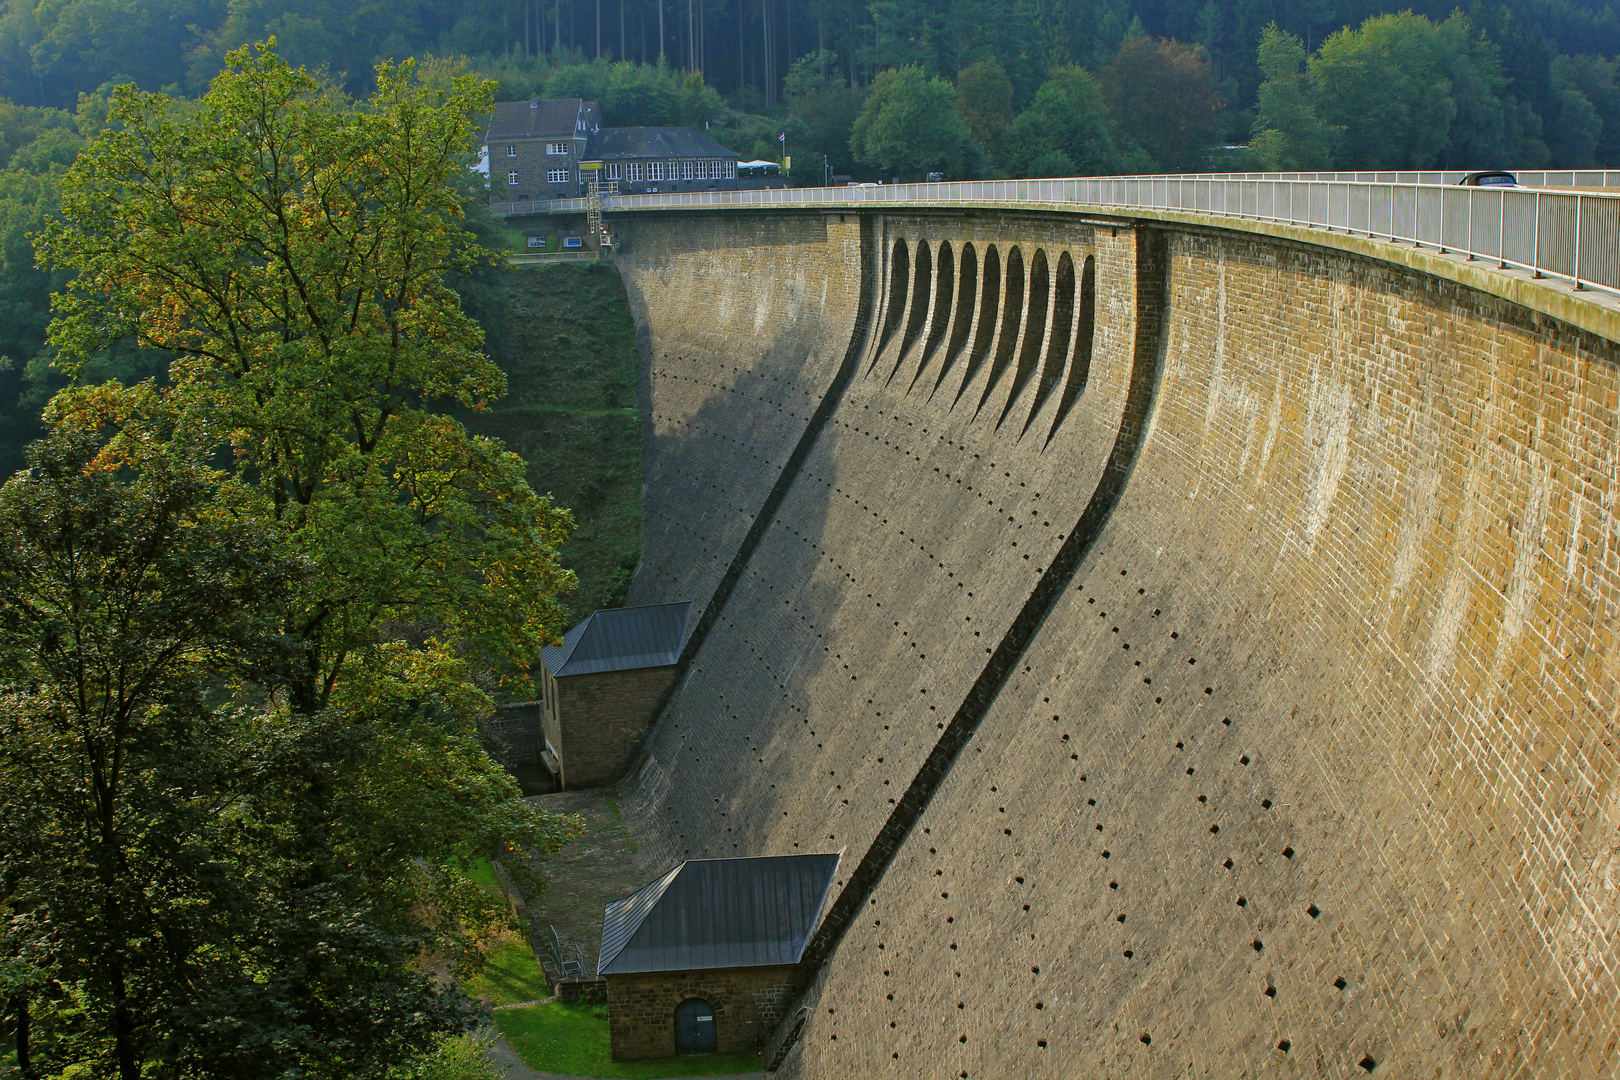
(1199, 643)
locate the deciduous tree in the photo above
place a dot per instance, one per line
(289, 248)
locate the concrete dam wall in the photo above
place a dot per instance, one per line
(1200, 644)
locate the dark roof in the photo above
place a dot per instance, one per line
(557, 117)
(609, 144)
(620, 639)
(718, 913)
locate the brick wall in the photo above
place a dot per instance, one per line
(515, 733)
(1342, 651)
(747, 1003)
(603, 718)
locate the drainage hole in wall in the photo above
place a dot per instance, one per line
(1313, 911)
(1129, 954)
(1189, 770)
(1271, 991)
(1241, 902)
(1288, 853)
(1113, 884)
(1203, 798)
(1174, 636)
(1257, 944)
(1265, 804)
(1038, 1042)
(1367, 1062)
(1227, 864)
(1026, 907)
(1120, 917)
(1040, 1004)
(1244, 760)
(1226, 720)
(1285, 1046)
(1339, 983)
(1146, 1039)
(1212, 828)
(1105, 854)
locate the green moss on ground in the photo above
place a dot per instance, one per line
(564, 337)
(574, 1039)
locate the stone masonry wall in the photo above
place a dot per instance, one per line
(603, 719)
(747, 1002)
(1311, 770)
(859, 622)
(736, 353)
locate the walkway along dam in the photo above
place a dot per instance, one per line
(1197, 635)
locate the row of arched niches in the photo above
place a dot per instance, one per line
(996, 328)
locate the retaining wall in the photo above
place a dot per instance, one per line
(1256, 716)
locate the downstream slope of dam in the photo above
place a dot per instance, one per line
(1199, 644)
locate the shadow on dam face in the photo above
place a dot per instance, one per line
(1292, 773)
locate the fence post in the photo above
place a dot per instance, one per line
(1501, 234)
(1578, 285)
(1470, 195)
(1537, 257)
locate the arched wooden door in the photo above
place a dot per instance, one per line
(695, 1031)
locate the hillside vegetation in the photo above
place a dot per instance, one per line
(564, 337)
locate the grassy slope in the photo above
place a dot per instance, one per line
(574, 1039)
(564, 337)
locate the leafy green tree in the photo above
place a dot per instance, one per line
(1064, 132)
(819, 97)
(1163, 102)
(1410, 94)
(1288, 135)
(909, 126)
(1584, 132)
(193, 880)
(289, 249)
(984, 101)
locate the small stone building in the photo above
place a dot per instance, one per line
(703, 959)
(533, 148)
(602, 688)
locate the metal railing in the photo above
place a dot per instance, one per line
(1570, 235)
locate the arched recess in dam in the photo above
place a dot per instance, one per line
(1201, 650)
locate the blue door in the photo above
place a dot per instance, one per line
(694, 1027)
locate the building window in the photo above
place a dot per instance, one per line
(557, 176)
(557, 148)
(632, 171)
(613, 171)
(731, 170)
(655, 170)
(511, 149)
(686, 170)
(511, 178)
(703, 170)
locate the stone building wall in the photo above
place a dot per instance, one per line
(603, 720)
(748, 1002)
(1309, 768)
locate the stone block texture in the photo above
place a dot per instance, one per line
(747, 1002)
(1311, 767)
(602, 720)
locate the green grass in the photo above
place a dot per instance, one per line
(511, 974)
(482, 874)
(574, 1039)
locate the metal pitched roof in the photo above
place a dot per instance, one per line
(718, 913)
(610, 144)
(555, 117)
(621, 639)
